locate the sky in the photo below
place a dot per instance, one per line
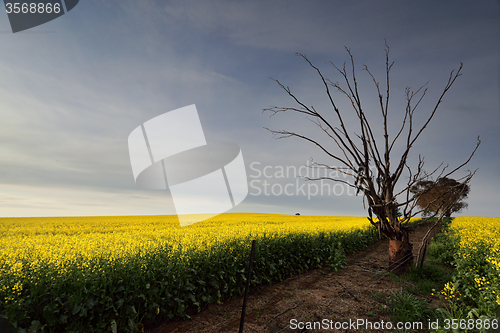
(73, 89)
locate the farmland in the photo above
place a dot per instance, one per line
(112, 273)
(476, 285)
(95, 274)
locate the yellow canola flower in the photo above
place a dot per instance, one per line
(89, 244)
(480, 236)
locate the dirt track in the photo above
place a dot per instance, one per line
(348, 294)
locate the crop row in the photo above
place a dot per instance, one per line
(97, 274)
(475, 289)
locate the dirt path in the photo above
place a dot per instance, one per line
(348, 294)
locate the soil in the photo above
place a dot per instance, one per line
(357, 292)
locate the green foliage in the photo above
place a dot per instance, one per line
(409, 308)
(470, 296)
(426, 279)
(472, 279)
(119, 296)
(444, 248)
(455, 318)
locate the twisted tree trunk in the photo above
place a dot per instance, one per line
(400, 254)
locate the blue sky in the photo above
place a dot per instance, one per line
(73, 89)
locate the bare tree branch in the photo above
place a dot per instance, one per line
(362, 160)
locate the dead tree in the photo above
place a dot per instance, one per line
(368, 160)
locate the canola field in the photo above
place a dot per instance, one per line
(94, 274)
(476, 285)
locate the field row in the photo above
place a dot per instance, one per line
(475, 290)
(91, 274)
